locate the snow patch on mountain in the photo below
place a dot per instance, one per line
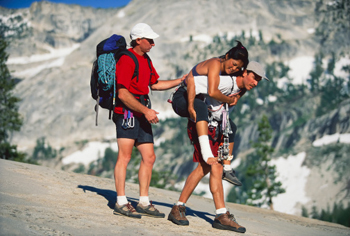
(55, 58)
(300, 68)
(121, 14)
(328, 139)
(91, 152)
(293, 176)
(53, 53)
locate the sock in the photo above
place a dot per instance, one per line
(227, 167)
(121, 200)
(180, 203)
(220, 211)
(144, 200)
(205, 147)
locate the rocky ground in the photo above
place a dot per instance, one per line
(37, 200)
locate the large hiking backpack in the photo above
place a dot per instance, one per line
(102, 81)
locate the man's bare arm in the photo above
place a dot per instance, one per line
(131, 102)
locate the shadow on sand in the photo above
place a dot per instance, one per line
(110, 196)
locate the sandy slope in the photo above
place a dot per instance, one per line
(37, 200)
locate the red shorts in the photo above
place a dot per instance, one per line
(215, 139)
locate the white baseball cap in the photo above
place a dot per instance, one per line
(142, 30)
(257, 68)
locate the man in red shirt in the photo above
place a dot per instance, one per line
(133, 118)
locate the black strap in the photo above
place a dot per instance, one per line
(133, 57)
(150, 68)
(136, 74)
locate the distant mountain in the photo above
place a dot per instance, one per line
(54, 44)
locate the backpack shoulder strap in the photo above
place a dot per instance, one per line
(133, 57)
(150, 68)
(149, 62)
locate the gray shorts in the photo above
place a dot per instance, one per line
(141, 132)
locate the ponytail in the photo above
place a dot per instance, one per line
(239, 52)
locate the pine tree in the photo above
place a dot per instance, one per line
(333, 91)
(265, 186)
(10, 119)
(316, 73)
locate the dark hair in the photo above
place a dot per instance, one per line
(239, 52)
(133, 43)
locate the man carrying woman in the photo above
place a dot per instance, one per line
(227, 85)
(187, 104)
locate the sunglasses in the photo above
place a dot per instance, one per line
(149, 40)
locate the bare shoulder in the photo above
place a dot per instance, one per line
(213, 61)
(210, 64)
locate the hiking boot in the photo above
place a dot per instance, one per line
(229, 176)
(149, 210)
(227, 222)
(127, 210)
(178, 215)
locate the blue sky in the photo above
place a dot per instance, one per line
(85, 3)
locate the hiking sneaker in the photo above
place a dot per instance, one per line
(227, 222)
(149, 210)
(127, 210)
(229, 176)
(178, 215)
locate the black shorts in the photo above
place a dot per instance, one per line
(180, 105)
(234, 130)
(141, 132)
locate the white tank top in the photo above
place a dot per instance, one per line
(227, 86)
